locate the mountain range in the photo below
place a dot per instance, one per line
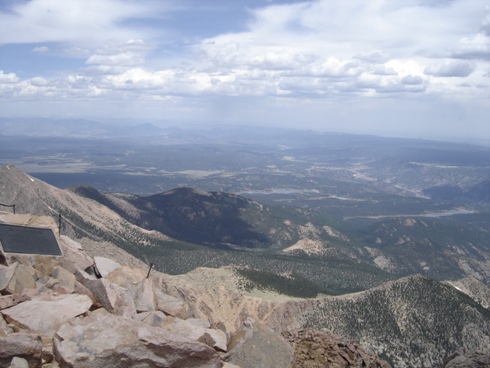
(412, 290)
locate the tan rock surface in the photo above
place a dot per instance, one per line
(105, 265)
(105, 340)
(47, 312)
(112, 297)
(16, 278)
(213, 338)
(213, 295)
(73, 256)
(140, 287)
(257, 346)
(171, 306)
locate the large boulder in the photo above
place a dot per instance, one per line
(65, 278)
(17, 277)
(171, 306)
(47, 312)
(103, 340)
(140, 287)
(255, 345)
(114, 298)
(27, 347)
(73, 257)
(7, 301)
(199, 330)
(105, 265)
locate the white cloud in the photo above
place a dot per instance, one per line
(8, 78)
(121, 59)
(344, 41)
(40, 49)
(83, 22)
(450, 68)
(320, 53)
(412, 80)
(473, 47)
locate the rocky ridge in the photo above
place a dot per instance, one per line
(55, 312)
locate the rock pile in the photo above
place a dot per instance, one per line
(316, 349)
(55, 312)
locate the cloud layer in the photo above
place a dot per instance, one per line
(312, 52)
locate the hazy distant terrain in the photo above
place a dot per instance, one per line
(407, 206)
(296, 213)
(350, 177)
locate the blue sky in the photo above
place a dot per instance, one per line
(414, 68)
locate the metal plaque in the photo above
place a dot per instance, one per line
(29, 240)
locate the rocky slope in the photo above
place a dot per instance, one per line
(54, 312)
(80, 216)
(413, 321)
(101, 217)
(184, 228)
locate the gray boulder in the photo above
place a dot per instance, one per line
(103, 340)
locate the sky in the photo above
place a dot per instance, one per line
(407, 68)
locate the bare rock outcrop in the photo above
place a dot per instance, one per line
(475, 359)
(57, 312)
(103, 340)
(112, 297)
(139, 286)
(172, 306)
(127, 318)
(316, 349)
(153, 318)
(257, 346)
(73, 256)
